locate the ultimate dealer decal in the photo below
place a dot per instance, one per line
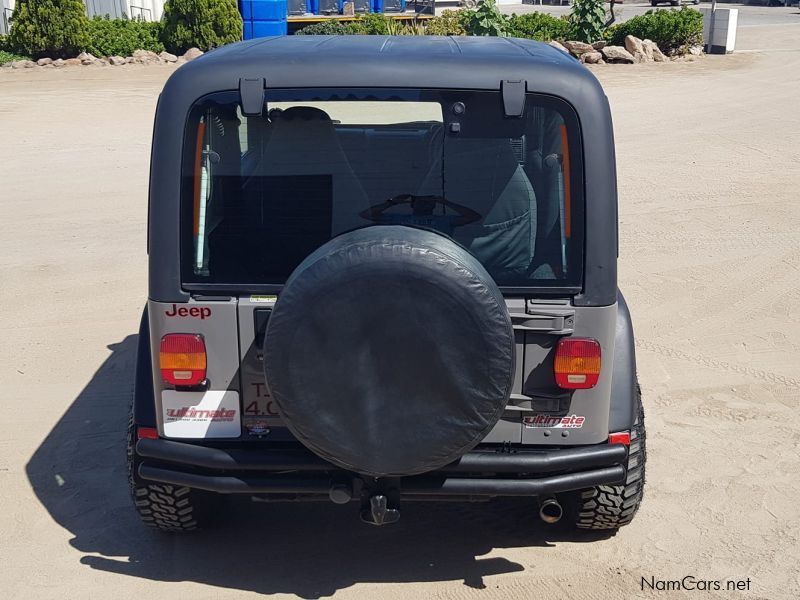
(554, 421)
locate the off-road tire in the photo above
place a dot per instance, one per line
(613, 506)
(168, 507)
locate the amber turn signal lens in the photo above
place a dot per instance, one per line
(577, 363)
(182, 359)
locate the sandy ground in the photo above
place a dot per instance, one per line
(710, 262)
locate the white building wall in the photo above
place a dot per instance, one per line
(149, 10)
(6, 7)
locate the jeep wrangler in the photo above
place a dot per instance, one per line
(383, 269)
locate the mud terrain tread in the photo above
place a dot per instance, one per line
(613, 506)
(167, 507)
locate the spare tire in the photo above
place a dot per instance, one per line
(390, 351)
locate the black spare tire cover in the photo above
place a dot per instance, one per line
(390, 351)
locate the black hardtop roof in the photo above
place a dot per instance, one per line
(365, 61)
(388, 61)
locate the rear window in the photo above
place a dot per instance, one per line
(261, 193)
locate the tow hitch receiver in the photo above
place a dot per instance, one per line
(378, 512)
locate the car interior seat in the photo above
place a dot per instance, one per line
(485, 176)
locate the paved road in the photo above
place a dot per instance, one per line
(708, 157)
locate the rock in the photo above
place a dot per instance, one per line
(116, 60)
(44, 61)
(167, 57)
(59, 62)
(86, 58)
(130, 60)
(592, 58)
(599, 45)
(556, 44)
(652, 50)
(636, 47)
(578, 48)
(72, 62)
(180, 61)
(22, 64)
(100, 62)
(192, 53)
(617, 54)
(696, 50)
(146, 56)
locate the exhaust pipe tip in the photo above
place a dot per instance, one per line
(550, 510)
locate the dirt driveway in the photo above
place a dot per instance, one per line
(709, 171)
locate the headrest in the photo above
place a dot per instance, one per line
(303, 113)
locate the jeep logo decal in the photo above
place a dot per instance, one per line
(184, 311)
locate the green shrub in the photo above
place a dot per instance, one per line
(448, 23)
(588, 20)
(7, 57)
(485, 20)
(203, 24)
(54, 28)
(4, 43)
(110, 37)
(330, 27)
(538, 26)
(372, 24)
(673, 30)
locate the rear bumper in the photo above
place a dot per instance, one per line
(297, 471)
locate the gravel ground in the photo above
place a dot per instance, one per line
(708, 156)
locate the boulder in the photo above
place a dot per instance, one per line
(22, 64)
(653, 51)
(59, 62)
(636, 47)
(44, 61)
(696, 50)
(146, 56)
(578, 48)
(129, 60)
(167, 57)
(100, 62)
(558, 45)
(592, 58)
(86, 58)
(192, 53)
(72, 62)
(116, 60)
(617, 54)
(599, 45)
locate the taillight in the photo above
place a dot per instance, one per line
(146, 433)
(577, 363)
(621, 437)
(183, 359)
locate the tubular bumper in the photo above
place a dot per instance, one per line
(482, 472)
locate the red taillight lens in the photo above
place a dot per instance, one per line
(183, 359)
(622, 437)
(146, 433)
(577, 363)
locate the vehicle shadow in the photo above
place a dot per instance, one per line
(311, 550)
